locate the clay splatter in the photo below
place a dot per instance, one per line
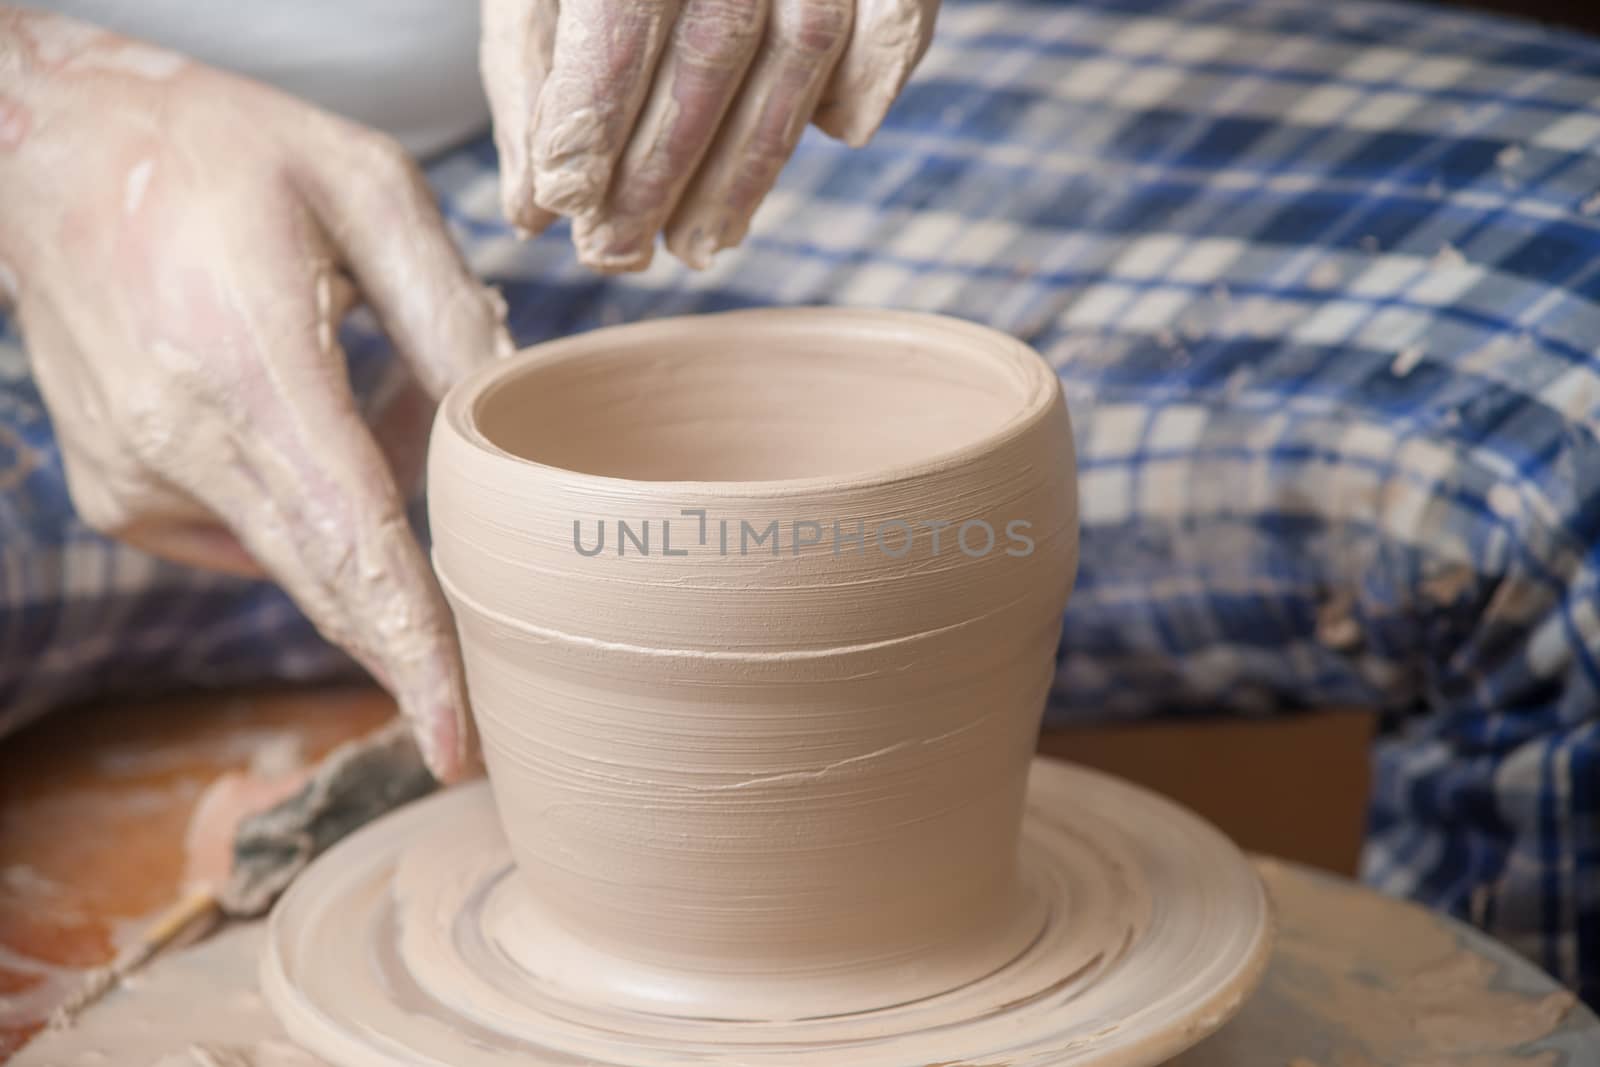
(14, 124)
(1447, 257)
(1406, 361)
(1325, 275)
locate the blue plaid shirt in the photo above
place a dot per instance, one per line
(1323, 284)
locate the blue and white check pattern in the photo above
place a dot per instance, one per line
(1323, 284)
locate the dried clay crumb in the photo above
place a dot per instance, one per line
(1406, 361)
(1448, 256)
(1504, 501)
(1337, 626)
(1325, 275)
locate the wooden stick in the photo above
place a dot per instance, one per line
(200, 906)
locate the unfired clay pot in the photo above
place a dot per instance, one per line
(746, 776)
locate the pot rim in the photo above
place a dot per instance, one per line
(1040, 391)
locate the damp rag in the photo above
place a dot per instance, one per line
(354, 784)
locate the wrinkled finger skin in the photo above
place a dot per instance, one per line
(706, 58)
(888, 40)
(517, 47)
(179, 289)
(605, 55)
(803, 42)
(634, 116)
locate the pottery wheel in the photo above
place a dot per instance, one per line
(398, 947)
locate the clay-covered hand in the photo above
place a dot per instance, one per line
(634, 115)
(179, 246)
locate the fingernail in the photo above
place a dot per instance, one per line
(436, 725)
(459, 737)
(863, 124)
(443, 751)
(531, 220)
(697, 247)
(615, 262)
(611, 247)
(856, 121)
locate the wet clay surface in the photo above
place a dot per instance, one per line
(1355, 981)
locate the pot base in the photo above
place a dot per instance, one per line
(399, 947)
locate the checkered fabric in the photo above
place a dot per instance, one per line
(1323, 283)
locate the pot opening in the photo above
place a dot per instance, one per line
(761, 398)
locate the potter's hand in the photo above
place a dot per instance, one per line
(631, 115)
(174, 240)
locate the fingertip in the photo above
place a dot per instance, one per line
(455, 735)
(529, 220)
(442, 722)
(695, 254)
(445, 744)
(695, 243)
(611, 247)
(462, 743)
(472, 765)
(621, 263)
(875, 69)
(519, 204)
(854, 118)
(470, 330)
(848, 125)
(442, 751)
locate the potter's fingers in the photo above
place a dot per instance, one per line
(274, 446)
(309, 493)
(605, 59)
(802, 42)
(886, 43)
(711, 46)
(365, 585)
(381, 217)
(516, 45)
